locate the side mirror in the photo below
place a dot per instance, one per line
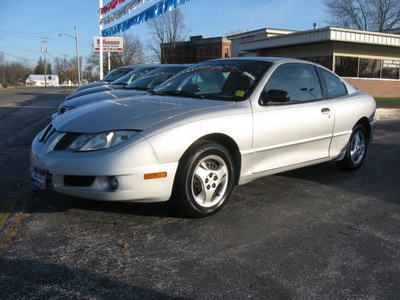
(274, 96)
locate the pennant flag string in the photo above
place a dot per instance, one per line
(127, 9)
(148, 14)
(113, 4)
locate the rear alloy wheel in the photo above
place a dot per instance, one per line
(205, 179)
(356, 149)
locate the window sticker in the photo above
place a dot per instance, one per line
(240, 93)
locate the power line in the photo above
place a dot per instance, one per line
(35, 33)
(16, 56)
(15, 47)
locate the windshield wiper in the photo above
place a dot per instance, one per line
(136, 88)
(181, 93)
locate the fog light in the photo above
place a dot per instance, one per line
(113, 183)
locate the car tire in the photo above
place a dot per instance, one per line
(356, 149)
(205, 179)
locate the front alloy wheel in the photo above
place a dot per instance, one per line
(205, 179)
(209, 181)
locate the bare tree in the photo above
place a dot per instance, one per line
(18, 71)
(64, 65)
(235, 31)
(374, 15)
(166, 31)
(13, 72)
(133, 54)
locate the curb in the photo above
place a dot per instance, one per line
(387, 114)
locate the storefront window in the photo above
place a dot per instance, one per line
(325, 61)
(346, 66)
(367, 68)
(370, 68)
(390, 69)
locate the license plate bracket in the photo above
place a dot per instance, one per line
(39, 177)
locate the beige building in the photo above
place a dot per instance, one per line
(349, 53)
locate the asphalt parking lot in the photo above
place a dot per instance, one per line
(313, 233)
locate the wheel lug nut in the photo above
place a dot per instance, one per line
(215, 178)
(214, 185)
(208, 187)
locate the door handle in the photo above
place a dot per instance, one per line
(325, 110)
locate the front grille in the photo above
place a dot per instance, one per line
(46, 133)
(65, 141)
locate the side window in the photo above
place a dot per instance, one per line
(299, 80)
(335, 87)
(207, 81)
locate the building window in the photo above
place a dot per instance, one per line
(390, 69)
(346, 66)
(325, 61)
(367, 68)
(217, 52)
(370, 68)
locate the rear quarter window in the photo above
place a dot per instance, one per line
(334, 87)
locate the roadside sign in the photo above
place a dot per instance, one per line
(71, 73)
(110, 44)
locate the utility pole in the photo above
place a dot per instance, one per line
(77, 57)
(45, 49)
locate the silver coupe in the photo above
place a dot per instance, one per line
(216, 124)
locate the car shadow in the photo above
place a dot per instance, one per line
(59, 281)
(48, 201)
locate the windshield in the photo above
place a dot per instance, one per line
(154, 78)
(221, 79)
(131, 76)
(115, 74)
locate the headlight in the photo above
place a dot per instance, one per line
(100, 141)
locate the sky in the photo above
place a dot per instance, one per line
(24, 23)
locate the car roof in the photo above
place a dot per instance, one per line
(139, 66)
(260, 58)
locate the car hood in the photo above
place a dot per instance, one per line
(92, 90)
(108, 95)
(90, 85)
(137, 113)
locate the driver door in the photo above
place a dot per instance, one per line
(296, 132)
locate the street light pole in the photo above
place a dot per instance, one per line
(77, 53)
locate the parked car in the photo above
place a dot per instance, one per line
(120, 83)
(216, 124)
(111, 76)
(140, 86)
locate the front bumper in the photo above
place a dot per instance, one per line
(115, 174)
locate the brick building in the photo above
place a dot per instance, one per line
(198, 49)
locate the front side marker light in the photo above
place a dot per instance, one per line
(155, 175)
